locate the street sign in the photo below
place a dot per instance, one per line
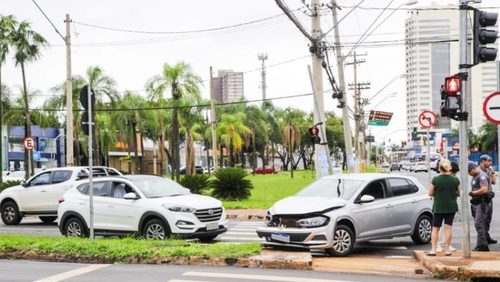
(29, 144)
(370, 139)
(491, 107)
(379, 118)
(378, 122)
(427, 119)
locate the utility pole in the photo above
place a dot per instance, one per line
(498, 126)
(345, 110)
(263, 58)
(212, 120)
(69, 96)
(463, 138)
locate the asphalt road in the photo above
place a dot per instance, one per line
(15, 270)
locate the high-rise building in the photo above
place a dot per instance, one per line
(228, 86)
(432, 53)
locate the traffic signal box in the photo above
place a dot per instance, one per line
(484, 36)
(451, 98)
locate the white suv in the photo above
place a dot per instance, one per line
(39, 195)
(147, 205)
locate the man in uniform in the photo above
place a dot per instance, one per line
(479, 188)
(485, 162)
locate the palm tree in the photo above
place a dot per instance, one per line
(27, 44)
(7, 24)
(232, 131)
(191, 125)
(180, 80)
(256, 120)
(488, 137)
(152, 130)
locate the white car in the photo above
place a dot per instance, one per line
(335, 212)
(421, 166)
(13, 176)
(40, 194)
(152, 206)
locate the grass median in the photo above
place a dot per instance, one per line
(121, 250)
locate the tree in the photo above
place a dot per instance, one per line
(180, 80)
(232, 131)
(488, 137)
(191, 125)
(27, 44)
(289, 120)
(256, 121)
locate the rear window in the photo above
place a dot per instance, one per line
(401, 186)
(100, 189)
(61, 176)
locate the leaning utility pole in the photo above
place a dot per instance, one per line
(69, 96)
(263, 58)
(343, 101)
(212, 121)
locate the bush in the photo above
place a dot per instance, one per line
(195, 183)
(231, 184)
(8, 184)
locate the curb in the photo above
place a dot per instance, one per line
(265, 260)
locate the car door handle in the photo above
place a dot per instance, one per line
(43, 191)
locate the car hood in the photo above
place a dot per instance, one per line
(304, 205)
(192, 201)
(13, 188)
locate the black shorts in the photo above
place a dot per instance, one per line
(437, 219)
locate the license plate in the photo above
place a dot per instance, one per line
(212, 226)
(281, 237)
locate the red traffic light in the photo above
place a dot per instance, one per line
(313, 131)
(452, 85)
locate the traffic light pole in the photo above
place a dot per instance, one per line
(463, 138)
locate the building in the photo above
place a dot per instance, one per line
(228, 86)
(432, 55)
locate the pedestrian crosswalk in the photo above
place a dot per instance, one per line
(241, 231)
(193, 276)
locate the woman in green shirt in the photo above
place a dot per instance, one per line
(445, 188)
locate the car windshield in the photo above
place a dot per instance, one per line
(158, 187)
(331, 188)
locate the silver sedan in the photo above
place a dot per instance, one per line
(334, 212)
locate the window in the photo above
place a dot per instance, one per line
(98, 172)
(100, 189)
(375, 189)
(120, 189)
(112, 172)
(41, 179)
(400, 186)
(61, 176)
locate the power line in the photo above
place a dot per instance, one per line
(48, 19)
(451, 8)
(341, 19)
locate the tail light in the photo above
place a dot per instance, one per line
(61, 200)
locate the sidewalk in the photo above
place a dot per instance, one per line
(246, 214)
(479, 265)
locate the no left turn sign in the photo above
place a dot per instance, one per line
(427, 119)
(491, 107)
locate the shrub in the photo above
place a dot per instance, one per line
(195, 183)
(231, 184)
(8, 184)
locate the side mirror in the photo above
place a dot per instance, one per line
(130, 196)
(366, 199)
(24, 184)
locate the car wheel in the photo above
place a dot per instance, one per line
(343, 241)
(207, 239)
(423, 229)
(74, 227)
(156, 229)
(10, 213)
(48, 219)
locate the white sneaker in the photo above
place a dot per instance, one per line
(451, 248)
(439, 248)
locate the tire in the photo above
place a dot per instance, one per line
(207, 239)
(343, 241)
(10, 213)
(74, 227)
(422, 231)
(48, 219)
(156, 229)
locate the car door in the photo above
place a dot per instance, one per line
(122, 214)
(101, 196)
(373, 219)
(402, 194)
(61, 182)
(35, 197)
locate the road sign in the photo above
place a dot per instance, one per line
(379, 115)
(378, 122)
(29, 144)
(427, 119)
(491, 107)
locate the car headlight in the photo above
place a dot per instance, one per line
(312, 221)
(178, 208)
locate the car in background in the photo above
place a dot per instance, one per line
(39, 195)
(335, 212)
(152, 206)
(13, 176)
(421, 166)
(394, 166)
(266, 170)
(199, 169)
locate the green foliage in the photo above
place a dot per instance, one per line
(122, 249)
(231, 184)
(195, 183)
(10, 183)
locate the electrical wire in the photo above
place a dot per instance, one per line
(48, 19)
(341, 19)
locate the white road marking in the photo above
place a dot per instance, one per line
(257, 277)
(241, 238)
(178, 280)
(73, 273)
(400, 257)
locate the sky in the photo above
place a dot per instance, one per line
(132, 58)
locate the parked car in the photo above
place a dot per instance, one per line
(335, 212)
(40, 194)
(265, 170)
(152, 206)
(413, 163)
(394, 166)
(199, 169)
(421, 166)
(13, 176)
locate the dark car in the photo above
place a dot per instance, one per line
(394, 166)
(199, 169)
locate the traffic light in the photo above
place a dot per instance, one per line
(483, 36)
(451, 100)
(313, 133)
(84, 100)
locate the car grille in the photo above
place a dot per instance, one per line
(207, 215)
(284, 222)
(294, 238)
